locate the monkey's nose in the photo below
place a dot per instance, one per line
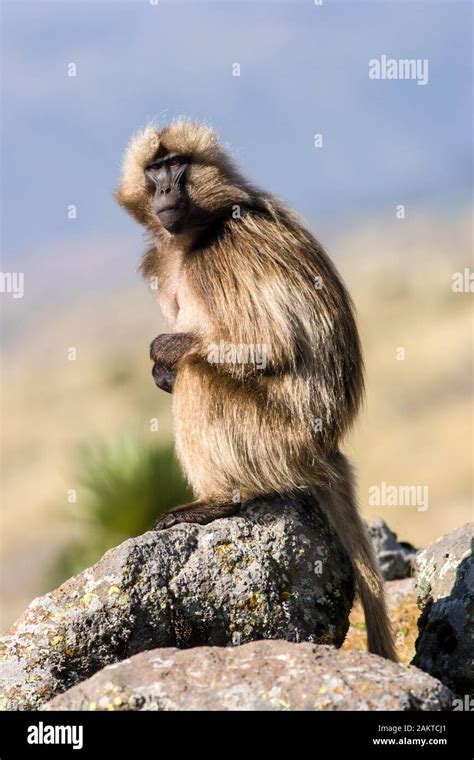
(165, 190)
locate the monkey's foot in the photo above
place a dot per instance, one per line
(201, 512)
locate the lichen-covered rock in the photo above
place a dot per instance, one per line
(445, 588)
(395, 558)
(262, 675)
(275, 571)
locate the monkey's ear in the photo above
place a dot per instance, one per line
(131, 193)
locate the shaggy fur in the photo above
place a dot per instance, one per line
(251, 276)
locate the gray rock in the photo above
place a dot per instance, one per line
(395, 558)
(397, 592)
(445, 589)
(277, 571)
(263, 675)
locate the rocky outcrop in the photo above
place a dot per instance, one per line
(397, 592)
(445, 588)
(274, 572)
(396, 559)
(263, 675)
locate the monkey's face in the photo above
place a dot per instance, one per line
(179, 178)
(166, 179)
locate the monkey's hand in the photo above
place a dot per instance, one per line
(164, 378)
(166, 351)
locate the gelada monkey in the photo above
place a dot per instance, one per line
(235, 268)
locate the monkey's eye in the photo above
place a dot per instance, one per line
(152, 168)
(176, 161)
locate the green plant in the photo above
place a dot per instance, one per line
(123, 486)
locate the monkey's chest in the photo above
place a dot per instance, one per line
(190, 316)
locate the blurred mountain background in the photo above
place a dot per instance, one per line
(87, 444)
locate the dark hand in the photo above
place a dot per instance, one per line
(166, 351)
(164, 378)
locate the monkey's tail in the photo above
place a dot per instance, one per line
(339, 503)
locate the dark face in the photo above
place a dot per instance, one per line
(166, 176)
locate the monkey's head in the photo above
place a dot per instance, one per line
(179, 178)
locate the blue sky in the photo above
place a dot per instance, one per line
(304, 70)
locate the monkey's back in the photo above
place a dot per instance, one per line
(265, 281)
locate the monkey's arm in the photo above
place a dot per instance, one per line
(166, 351)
